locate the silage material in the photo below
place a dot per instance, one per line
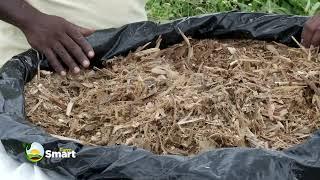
(189, 98)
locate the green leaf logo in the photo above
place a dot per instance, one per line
(34, 152)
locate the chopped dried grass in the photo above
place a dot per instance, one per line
(225, 93)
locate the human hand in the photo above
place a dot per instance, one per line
(62, 42)
(311, 32)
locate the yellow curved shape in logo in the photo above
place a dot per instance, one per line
(35, 151)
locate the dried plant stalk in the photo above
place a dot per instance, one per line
(234, 93)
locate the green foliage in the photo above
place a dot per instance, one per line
(172, 9)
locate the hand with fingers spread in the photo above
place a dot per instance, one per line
(311, 32)
(62, 42)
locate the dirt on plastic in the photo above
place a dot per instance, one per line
(189, 98)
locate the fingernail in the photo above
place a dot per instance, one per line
(86, 63)
(63, 73)
(302, 40)
(91, 54)
(76, 70)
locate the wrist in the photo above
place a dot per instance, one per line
(28, 20)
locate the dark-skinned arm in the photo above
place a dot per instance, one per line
(62, 42)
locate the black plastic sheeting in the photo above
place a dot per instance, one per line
(299, 162)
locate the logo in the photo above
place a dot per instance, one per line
(35, 153)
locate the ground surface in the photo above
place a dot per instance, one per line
(187, 99)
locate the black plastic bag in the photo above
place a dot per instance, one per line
(299, 162)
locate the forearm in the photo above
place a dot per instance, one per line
(17, 12)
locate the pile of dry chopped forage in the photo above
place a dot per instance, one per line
(187, 98)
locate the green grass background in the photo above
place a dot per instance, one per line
(161, 10)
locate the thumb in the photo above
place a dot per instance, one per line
(85, 31)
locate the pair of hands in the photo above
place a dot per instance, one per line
(62, 42)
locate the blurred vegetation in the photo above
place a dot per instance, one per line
(172, 9)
